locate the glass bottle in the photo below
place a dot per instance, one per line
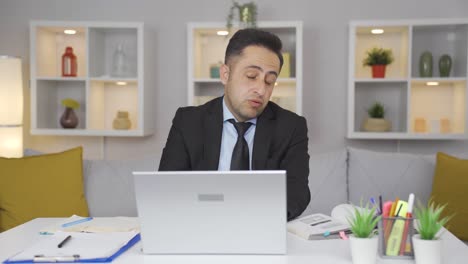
(119, 62)
(69, 64)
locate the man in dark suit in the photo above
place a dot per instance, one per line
(243, 129)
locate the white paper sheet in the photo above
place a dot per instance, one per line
(86, 245)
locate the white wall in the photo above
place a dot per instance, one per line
(325, 60)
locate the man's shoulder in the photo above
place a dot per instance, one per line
(283, 114)
(200, 110)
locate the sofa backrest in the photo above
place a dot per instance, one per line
(391, 175)
(327, 181)
(109, 185)
(347, 175)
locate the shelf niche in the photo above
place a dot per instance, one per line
(395, 38)
(50, 46)
(393, 96)
(433, 104)
(439, 40)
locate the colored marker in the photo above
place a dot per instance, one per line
(396, 234)
(405, 239)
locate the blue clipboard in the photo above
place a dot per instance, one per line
(130, 243)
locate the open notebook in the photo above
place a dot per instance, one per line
(320, 226)
(81, 247)
(94, 225)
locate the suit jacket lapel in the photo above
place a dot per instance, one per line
(262, 139)
(213, 128)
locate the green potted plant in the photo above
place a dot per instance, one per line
(427, 245)
(247, 14)
(363, 241)
(69, 119)
(376, 121)
(378, 59)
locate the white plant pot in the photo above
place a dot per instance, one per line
(363, 250)
(427, 251)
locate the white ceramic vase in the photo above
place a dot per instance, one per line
(427, 251)
(363, 250)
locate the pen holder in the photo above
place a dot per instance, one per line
(395, 235)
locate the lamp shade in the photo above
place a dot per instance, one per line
(11, 91)
(11, 107)
(11, 142)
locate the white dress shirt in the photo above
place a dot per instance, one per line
(229, 139)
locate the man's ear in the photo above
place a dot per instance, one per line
(224, 73)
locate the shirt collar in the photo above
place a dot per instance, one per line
(228, 115)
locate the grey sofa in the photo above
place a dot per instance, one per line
(355, 175)
(347, 175)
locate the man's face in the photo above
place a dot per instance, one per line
(249, 80)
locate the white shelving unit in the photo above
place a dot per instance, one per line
(206, 48)
(99, 93)
(408, 98)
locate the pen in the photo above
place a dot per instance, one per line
(61, 244)
(372, 200)
(395, 239)
(394, 207)
(390, 223)
(79, 221)
(42, 258)
(398, 211)
(404, 240)
(321, 222)
(385, 215)
(380, 204)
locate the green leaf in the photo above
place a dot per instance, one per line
(377, 110)
(364, 221)
(430, 221)
(378, 56)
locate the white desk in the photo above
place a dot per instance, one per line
(299, 251)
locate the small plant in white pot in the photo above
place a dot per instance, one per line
(427, 245)
(376, 121)
(363, 241)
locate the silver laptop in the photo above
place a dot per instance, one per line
(212, 212)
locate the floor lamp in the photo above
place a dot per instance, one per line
(11, 107)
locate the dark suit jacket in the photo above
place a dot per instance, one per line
(280, 143)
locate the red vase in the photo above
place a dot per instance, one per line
(69, 66)
(378, 71)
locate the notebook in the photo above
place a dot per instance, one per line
(212, 212)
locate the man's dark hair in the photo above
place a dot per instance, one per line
(253, 37)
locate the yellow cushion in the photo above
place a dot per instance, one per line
(48, 185)
(450, 187)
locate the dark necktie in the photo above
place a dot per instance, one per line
(240, 154)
